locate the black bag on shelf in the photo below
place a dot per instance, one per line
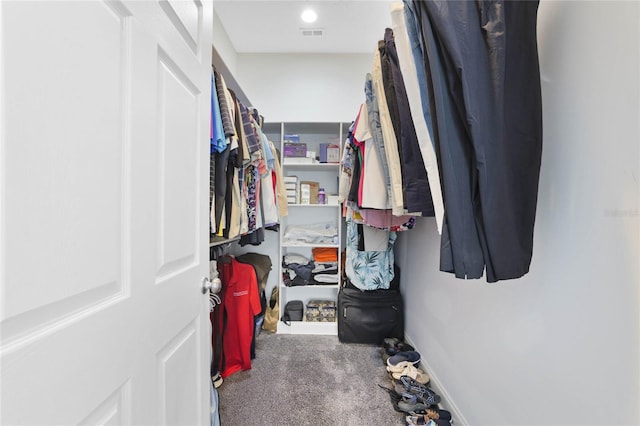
(293, 311)
(370, 316)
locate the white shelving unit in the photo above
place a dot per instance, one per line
(326, 174)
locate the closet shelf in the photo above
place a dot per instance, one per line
(313, 205)
(218, 241)
(311, 245)
(312, 166)
(311, 137)
(314, 286)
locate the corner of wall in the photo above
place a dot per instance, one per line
(438, 387)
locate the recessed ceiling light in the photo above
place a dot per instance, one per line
(309, 16)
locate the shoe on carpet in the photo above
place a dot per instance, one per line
(434, 414)
(217, 380)
(409, 370)
(407, 385)
(406, 406)
(412, 420)
(390, 342)
(428, 398)
(393, 394)
(392, 346)
(398, 367)
(423, 420)
(410, 356)
(418, 420)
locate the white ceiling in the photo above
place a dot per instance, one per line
(350, 26)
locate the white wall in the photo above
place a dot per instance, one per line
(561, 345)
(305, 87)
(223, 45)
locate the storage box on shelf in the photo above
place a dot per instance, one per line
(326, 141)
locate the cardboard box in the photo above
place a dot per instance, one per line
(309, 192)
(329, 153)
(295, 149)
(291, 138)
(305, 193)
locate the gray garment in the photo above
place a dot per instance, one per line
(375, 239)
(376, 130)
(460, 250)
(416, 88)
(485, 74)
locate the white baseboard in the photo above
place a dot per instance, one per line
(447, 402)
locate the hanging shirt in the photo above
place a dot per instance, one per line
(372, 174)
(389, 138)
(253, 143)
(241, 303)
(281, 191)
(218, 139)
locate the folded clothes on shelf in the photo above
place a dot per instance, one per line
(319, 233)
(325, 254)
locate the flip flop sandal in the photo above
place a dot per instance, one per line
(413, 372)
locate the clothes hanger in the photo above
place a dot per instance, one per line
(214, 300)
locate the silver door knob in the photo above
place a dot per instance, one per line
(206, 285)
(216, 285)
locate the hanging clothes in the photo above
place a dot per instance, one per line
(415, 184)
(261, 264)
(389, 139)
(246, 195)
(218, 141)
(493, 119)
(415, 88)
(241, 304)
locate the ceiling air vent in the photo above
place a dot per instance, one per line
(312, 32)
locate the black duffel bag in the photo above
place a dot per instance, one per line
(369, 316)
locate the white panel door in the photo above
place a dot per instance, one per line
(104, 133)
